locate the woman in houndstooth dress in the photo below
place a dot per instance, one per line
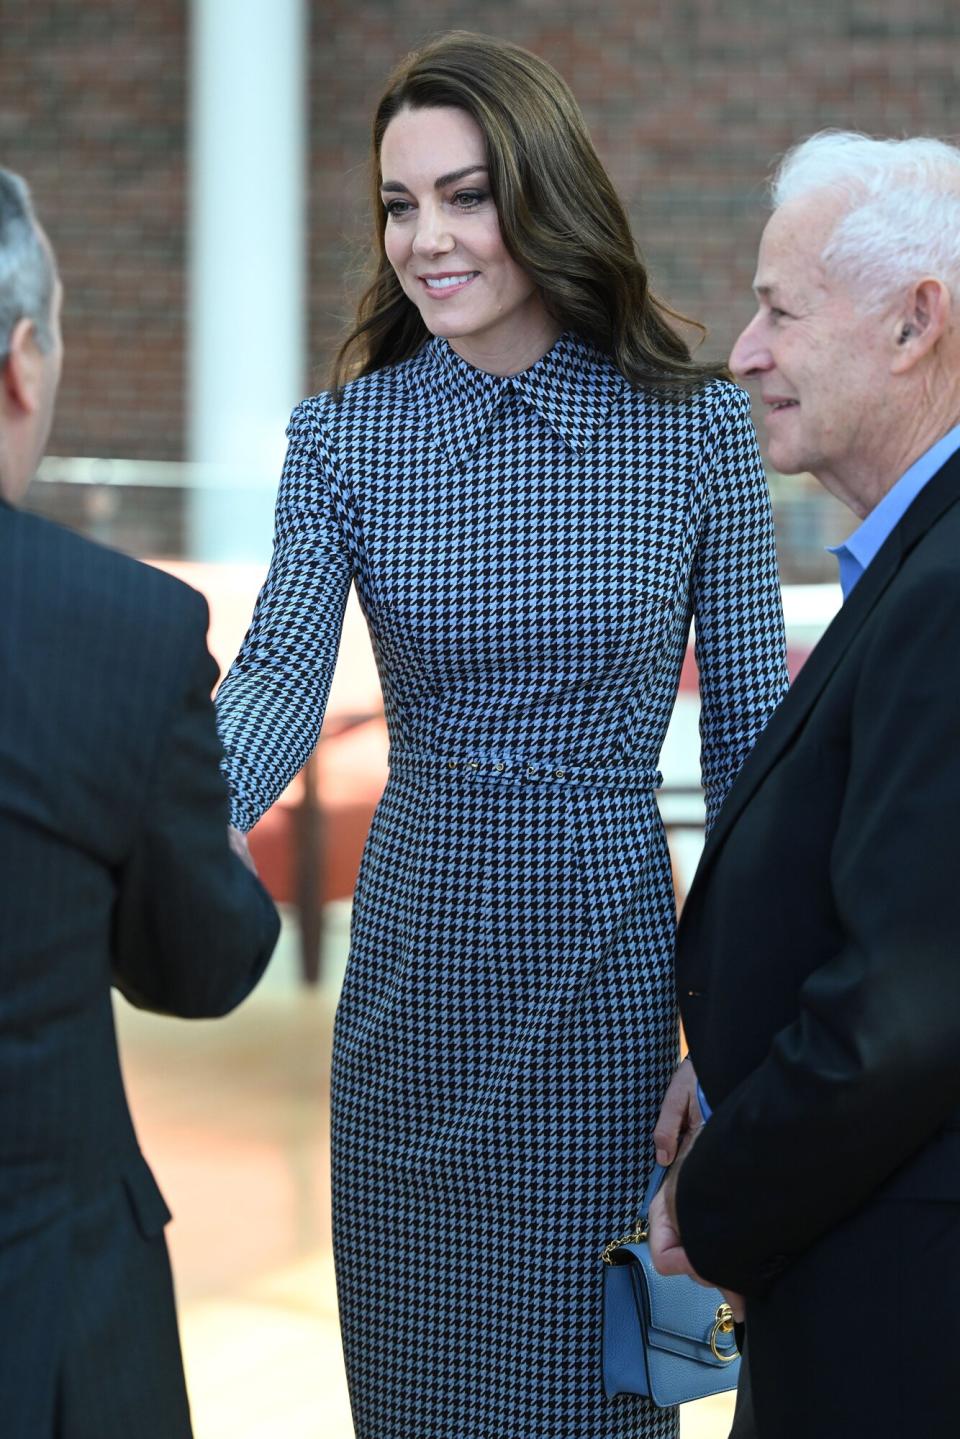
(533, 488)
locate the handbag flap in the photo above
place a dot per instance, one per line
(681, 1314)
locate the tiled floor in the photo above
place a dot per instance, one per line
(233, 1118)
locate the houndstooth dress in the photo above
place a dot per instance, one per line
(528, 551)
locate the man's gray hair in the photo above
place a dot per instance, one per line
(903, 220)
(27, 272)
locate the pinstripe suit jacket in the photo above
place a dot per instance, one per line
(113, 866)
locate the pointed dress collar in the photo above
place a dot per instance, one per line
(572, 388)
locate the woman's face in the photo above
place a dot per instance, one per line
(443, 240)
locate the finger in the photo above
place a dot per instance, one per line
(673, 1261)
(674, 1115)
(737, 1304)
(666, 1248)
(662, 1229)
(238, 843)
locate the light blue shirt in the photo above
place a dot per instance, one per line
(855, 554)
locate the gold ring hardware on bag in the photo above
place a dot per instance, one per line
(723, 1325)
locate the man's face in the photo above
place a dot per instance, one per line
(28, 413)
(820, 359)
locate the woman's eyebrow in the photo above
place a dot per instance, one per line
(440, 183)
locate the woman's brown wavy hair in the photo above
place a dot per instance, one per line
(560, 217)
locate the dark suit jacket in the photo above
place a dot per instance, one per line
(114, 866)
(819, 955)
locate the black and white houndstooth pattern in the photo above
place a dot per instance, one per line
(528, 551)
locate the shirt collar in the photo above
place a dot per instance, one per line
(572, 387)
(856, 553)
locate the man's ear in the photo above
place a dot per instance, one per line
(23, 369)
(920, 323)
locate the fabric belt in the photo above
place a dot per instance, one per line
(470, 769)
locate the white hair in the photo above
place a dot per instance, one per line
(903, 220)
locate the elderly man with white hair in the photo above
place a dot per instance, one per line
(819, 951)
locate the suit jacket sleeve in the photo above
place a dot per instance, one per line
(740, 644)
(194, 928)
(869, 1071)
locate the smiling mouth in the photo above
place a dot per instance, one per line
(441, 284)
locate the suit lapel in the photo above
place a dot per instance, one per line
(935, 498)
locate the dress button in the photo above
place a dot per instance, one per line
(451, 764)
(473, 765)
(531, 773)
(499, 768)
(559, 774)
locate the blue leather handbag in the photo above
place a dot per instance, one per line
(668, 1338)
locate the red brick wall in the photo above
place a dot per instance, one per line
(687, 100)
(92, 113)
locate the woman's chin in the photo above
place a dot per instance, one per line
(446, 327)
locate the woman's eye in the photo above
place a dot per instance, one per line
(469, 199)
(396, 209)
(777, 314)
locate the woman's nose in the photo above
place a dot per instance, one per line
(432, 235)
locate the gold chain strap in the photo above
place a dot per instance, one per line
(638, 1236)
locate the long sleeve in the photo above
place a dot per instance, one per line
(740, 644)
(270, 706)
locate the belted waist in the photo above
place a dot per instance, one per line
(464, 766)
